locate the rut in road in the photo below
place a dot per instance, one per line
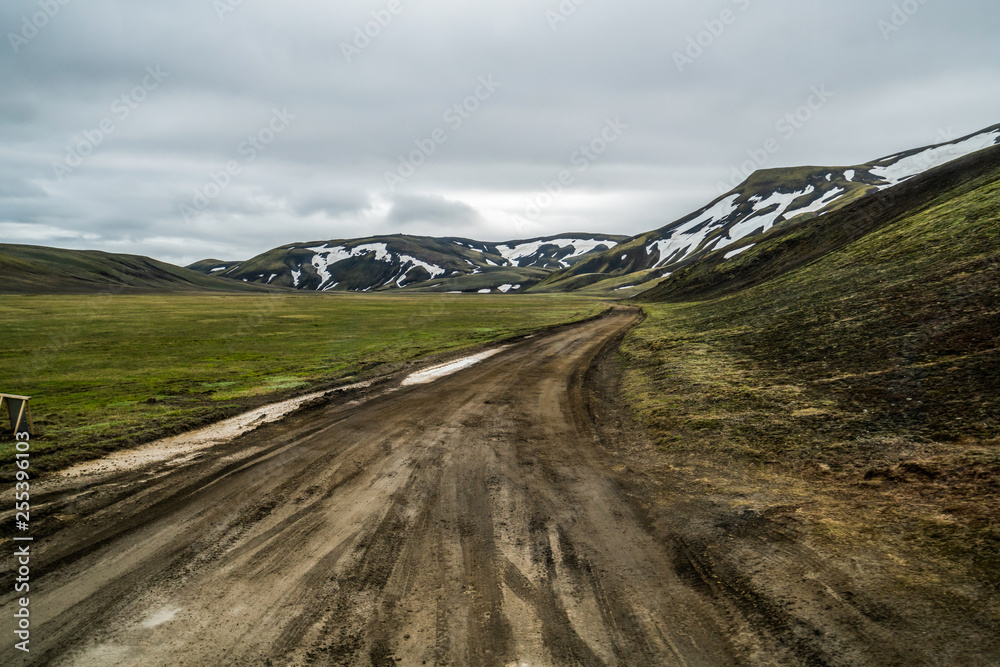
(473, 520)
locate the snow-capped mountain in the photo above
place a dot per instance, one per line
(395, 262)
(567, 262)
(769, 197)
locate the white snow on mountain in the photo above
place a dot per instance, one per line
(818, 205)
(381, 251)
(900, 170)
(738, 251)
(685, 241)
(767, 211)
(432, 269)
(327, 256)
(514, 253)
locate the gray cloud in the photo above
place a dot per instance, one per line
(324, 176)
(431, 211)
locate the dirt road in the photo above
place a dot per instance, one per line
(481, 519)
(471, 520)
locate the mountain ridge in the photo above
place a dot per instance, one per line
(598, 263)
(767, 198)
(400, 261)
(803, 241)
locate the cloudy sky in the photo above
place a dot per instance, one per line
(186, 129)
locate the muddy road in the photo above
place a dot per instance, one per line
(474, 520)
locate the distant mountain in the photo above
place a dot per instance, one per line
(599, 263)
(36, 269)
(769, 198)
(211, 266)
(400, 261)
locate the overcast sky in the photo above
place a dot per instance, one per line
(184, 129)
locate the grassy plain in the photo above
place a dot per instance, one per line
(108, 371)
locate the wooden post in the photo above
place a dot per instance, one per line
(20, 406)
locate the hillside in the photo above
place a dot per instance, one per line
(769, 198)
(842, 381)
(37, 269)
(395, 262)
(795, 245)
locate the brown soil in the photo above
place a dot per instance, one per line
(504, 515)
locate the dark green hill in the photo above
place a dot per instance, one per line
(37, 269)
(850, 367)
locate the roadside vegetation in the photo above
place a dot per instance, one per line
(855, 394)
(110, 371)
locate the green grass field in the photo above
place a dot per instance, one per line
(110, 371)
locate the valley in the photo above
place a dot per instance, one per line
(764, 434)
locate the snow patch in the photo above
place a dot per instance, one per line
(849, 175)
(734, 253)
(431, 374)
(685, 241)
(513, 253)
(326, 257)
(381, 251)
(432, 269)
(779, 200)
(908, 167)
(820, 203)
